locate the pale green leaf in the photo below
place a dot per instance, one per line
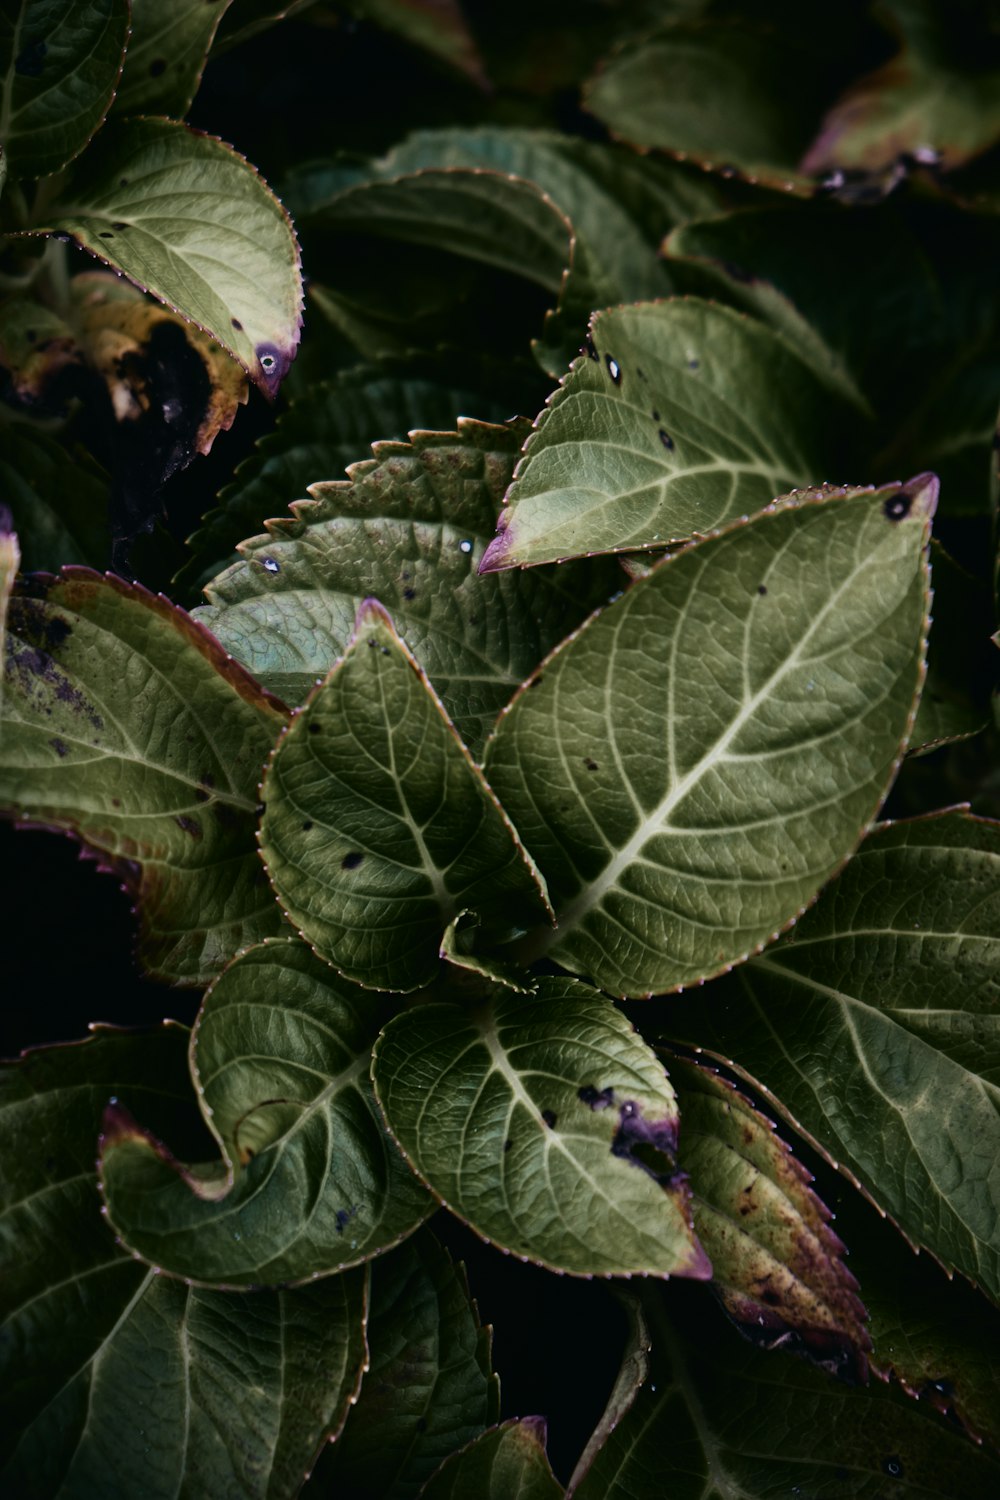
(506, 1463)
(59, 65)
(778, 1266)
(118, 1382)
(410, 527)
(547, 1124)
(428, 1390)
(309, 1183)
(378, 827)
(681, 417)
(874, 1028)
(693, 765)
(720, 1420)
(126, 725)
(166, 55)
(186, 218)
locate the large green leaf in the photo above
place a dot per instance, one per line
(332, 426)
(778, 1267)
(118, 1382)
(58, 498)
(545, 1122)
(308, 1183)
(59, 65)
(428, 1389)
(188, 219)
(126, 725)
(874, 1028)
(410, 527)
(718, 1419)
(379, 827)
(507, 1463)
(704, 753)
(680, 417)
(166, 55)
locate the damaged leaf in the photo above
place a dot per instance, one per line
(167, 51)
(547, 1124)
(126, 726)
(778, 1266)
(309, 1182)
(692, 765)
(379, 827)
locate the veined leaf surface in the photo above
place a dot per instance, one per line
(533, 1118)
(118, 1382)
(379, 827)
(694, 763)
(681, 417)
(874, 1028)
(507, 1463)
(188, 219)
(309, 1182)
(59, 65)
(166, 54)
(126, 725)
(410, 527)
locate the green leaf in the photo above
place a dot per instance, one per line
(58, 499)
(250, 17)
(329, 428)
(428, 1390)
(166, 55)
(719, 1419)
(379, 827)
(507, 1463)
(126, 725)
(731, 93)
(778, 1267)
(633, 1374)
(873, 1029)
(960, 656)
(410, 526)
(187, 219)
(693, 765)
(681, 417)
(309, 1184)
(118, 1382)
(437, 26)
(59, 65)
(547, 1124)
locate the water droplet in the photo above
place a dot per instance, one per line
(270, 566)
(465, 546)
(614, 369)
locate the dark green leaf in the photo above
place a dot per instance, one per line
(428, 1390)
(681, 417)
(118, 1382)
(308, 1183)
(59, 65)
(379, 827)
(547, 1124)
(506, 1463)
(874, 1029)
(166, 55)
(186, 218)
(437, 26)
(704, 753)
(719, 1419)
(58, 499)
(410, 527)
(960, 656)
(126, 725)
(250, 17)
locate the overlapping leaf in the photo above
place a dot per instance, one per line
(119, 1382)
(186, 218)
(875, 1029)
(960, 656)
(58, 68)
(547, 1124)
(309, 1182)
(778, 1267)
(409, 527)
(126, 725)
(58, 500)
(166, 55)
(379, 828)
(428, 1390)
(507, 1461)
(718, 1418)
(702, 756)
(682, 416)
